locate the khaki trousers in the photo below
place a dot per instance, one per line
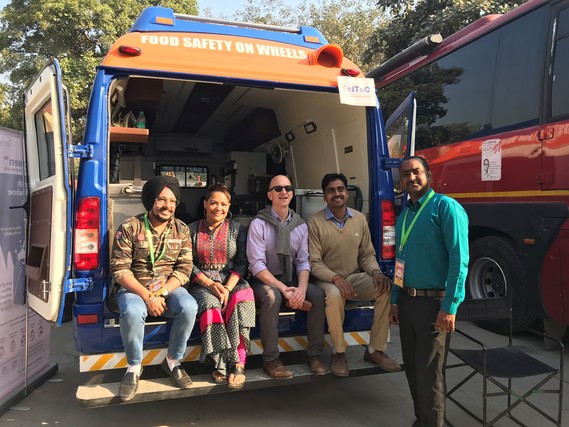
(365, 290)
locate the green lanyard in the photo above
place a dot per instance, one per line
(151, 244)
(405, 233)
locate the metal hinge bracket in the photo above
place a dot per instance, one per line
(79, 285)
(81, 151)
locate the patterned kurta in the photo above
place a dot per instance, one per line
(217, 254)
(131, 251)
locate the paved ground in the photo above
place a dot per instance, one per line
(377, 400)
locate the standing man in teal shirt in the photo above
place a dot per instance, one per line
(430, 272)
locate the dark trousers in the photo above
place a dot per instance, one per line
(424, 355)
(268, 300)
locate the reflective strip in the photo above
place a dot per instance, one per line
(101, 362)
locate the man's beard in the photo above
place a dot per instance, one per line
(159, 218)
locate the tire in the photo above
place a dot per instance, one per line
(495, 271)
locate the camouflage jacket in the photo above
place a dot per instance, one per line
(131, 251)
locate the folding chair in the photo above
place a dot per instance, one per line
(496, 365)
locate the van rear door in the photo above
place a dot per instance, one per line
(49, 225)
(400, 132)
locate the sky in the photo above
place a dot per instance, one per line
(226, 7)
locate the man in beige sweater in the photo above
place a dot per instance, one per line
(344, 264)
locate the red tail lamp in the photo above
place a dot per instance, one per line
(351, 72)
(130, 50)
(87, 319)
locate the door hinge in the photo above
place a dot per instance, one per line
(45, 288)
(81, 151)
(79, 285)
(546, 133)
(390, 162)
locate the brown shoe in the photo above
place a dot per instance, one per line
(317, 366)
(277, 370)
(339, 365)
(382, 360)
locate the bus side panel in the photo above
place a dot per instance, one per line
(555, 278)
(460, 166)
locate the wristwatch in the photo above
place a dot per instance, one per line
(162, 292)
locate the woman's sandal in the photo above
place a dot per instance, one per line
(218, 377)
(236, 372)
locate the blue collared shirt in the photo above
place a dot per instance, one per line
(436, 252)
(330, 216)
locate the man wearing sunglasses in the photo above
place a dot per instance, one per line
(277, 250)
(344, 263)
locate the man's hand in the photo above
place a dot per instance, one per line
(444, 322)
(394, 315)
(346, 288)
(295, 296)
(156, 307)
(381, 282)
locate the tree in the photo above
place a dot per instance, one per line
(411, 20)
(78, 33)
(349, 25)
(5, 116)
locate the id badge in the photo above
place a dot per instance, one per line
(156, 283)
(399, 272)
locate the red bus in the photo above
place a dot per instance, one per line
(492, 119)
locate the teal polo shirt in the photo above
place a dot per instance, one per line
(436, 251)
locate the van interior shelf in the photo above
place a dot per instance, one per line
(123, 134)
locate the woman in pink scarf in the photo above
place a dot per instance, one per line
(226, 306)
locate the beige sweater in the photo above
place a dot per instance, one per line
(340, 251)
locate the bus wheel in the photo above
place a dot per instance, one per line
(495, 271)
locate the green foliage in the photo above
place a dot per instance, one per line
(77, 33)
(349, 25)
(412, 20)
(6, 120)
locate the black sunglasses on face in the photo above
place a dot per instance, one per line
(279, 188)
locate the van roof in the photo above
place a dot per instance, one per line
(195, 47)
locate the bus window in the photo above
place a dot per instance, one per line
(560, 78)
(519, 63)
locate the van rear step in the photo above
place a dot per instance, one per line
(98, 395)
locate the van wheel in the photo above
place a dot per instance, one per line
(495, 271)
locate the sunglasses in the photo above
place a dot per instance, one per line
(279, 188)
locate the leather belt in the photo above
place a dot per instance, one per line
(430, 293)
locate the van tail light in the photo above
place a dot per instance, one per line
(388, 230)
(130, 50)
(86, 243)
(87, 319)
